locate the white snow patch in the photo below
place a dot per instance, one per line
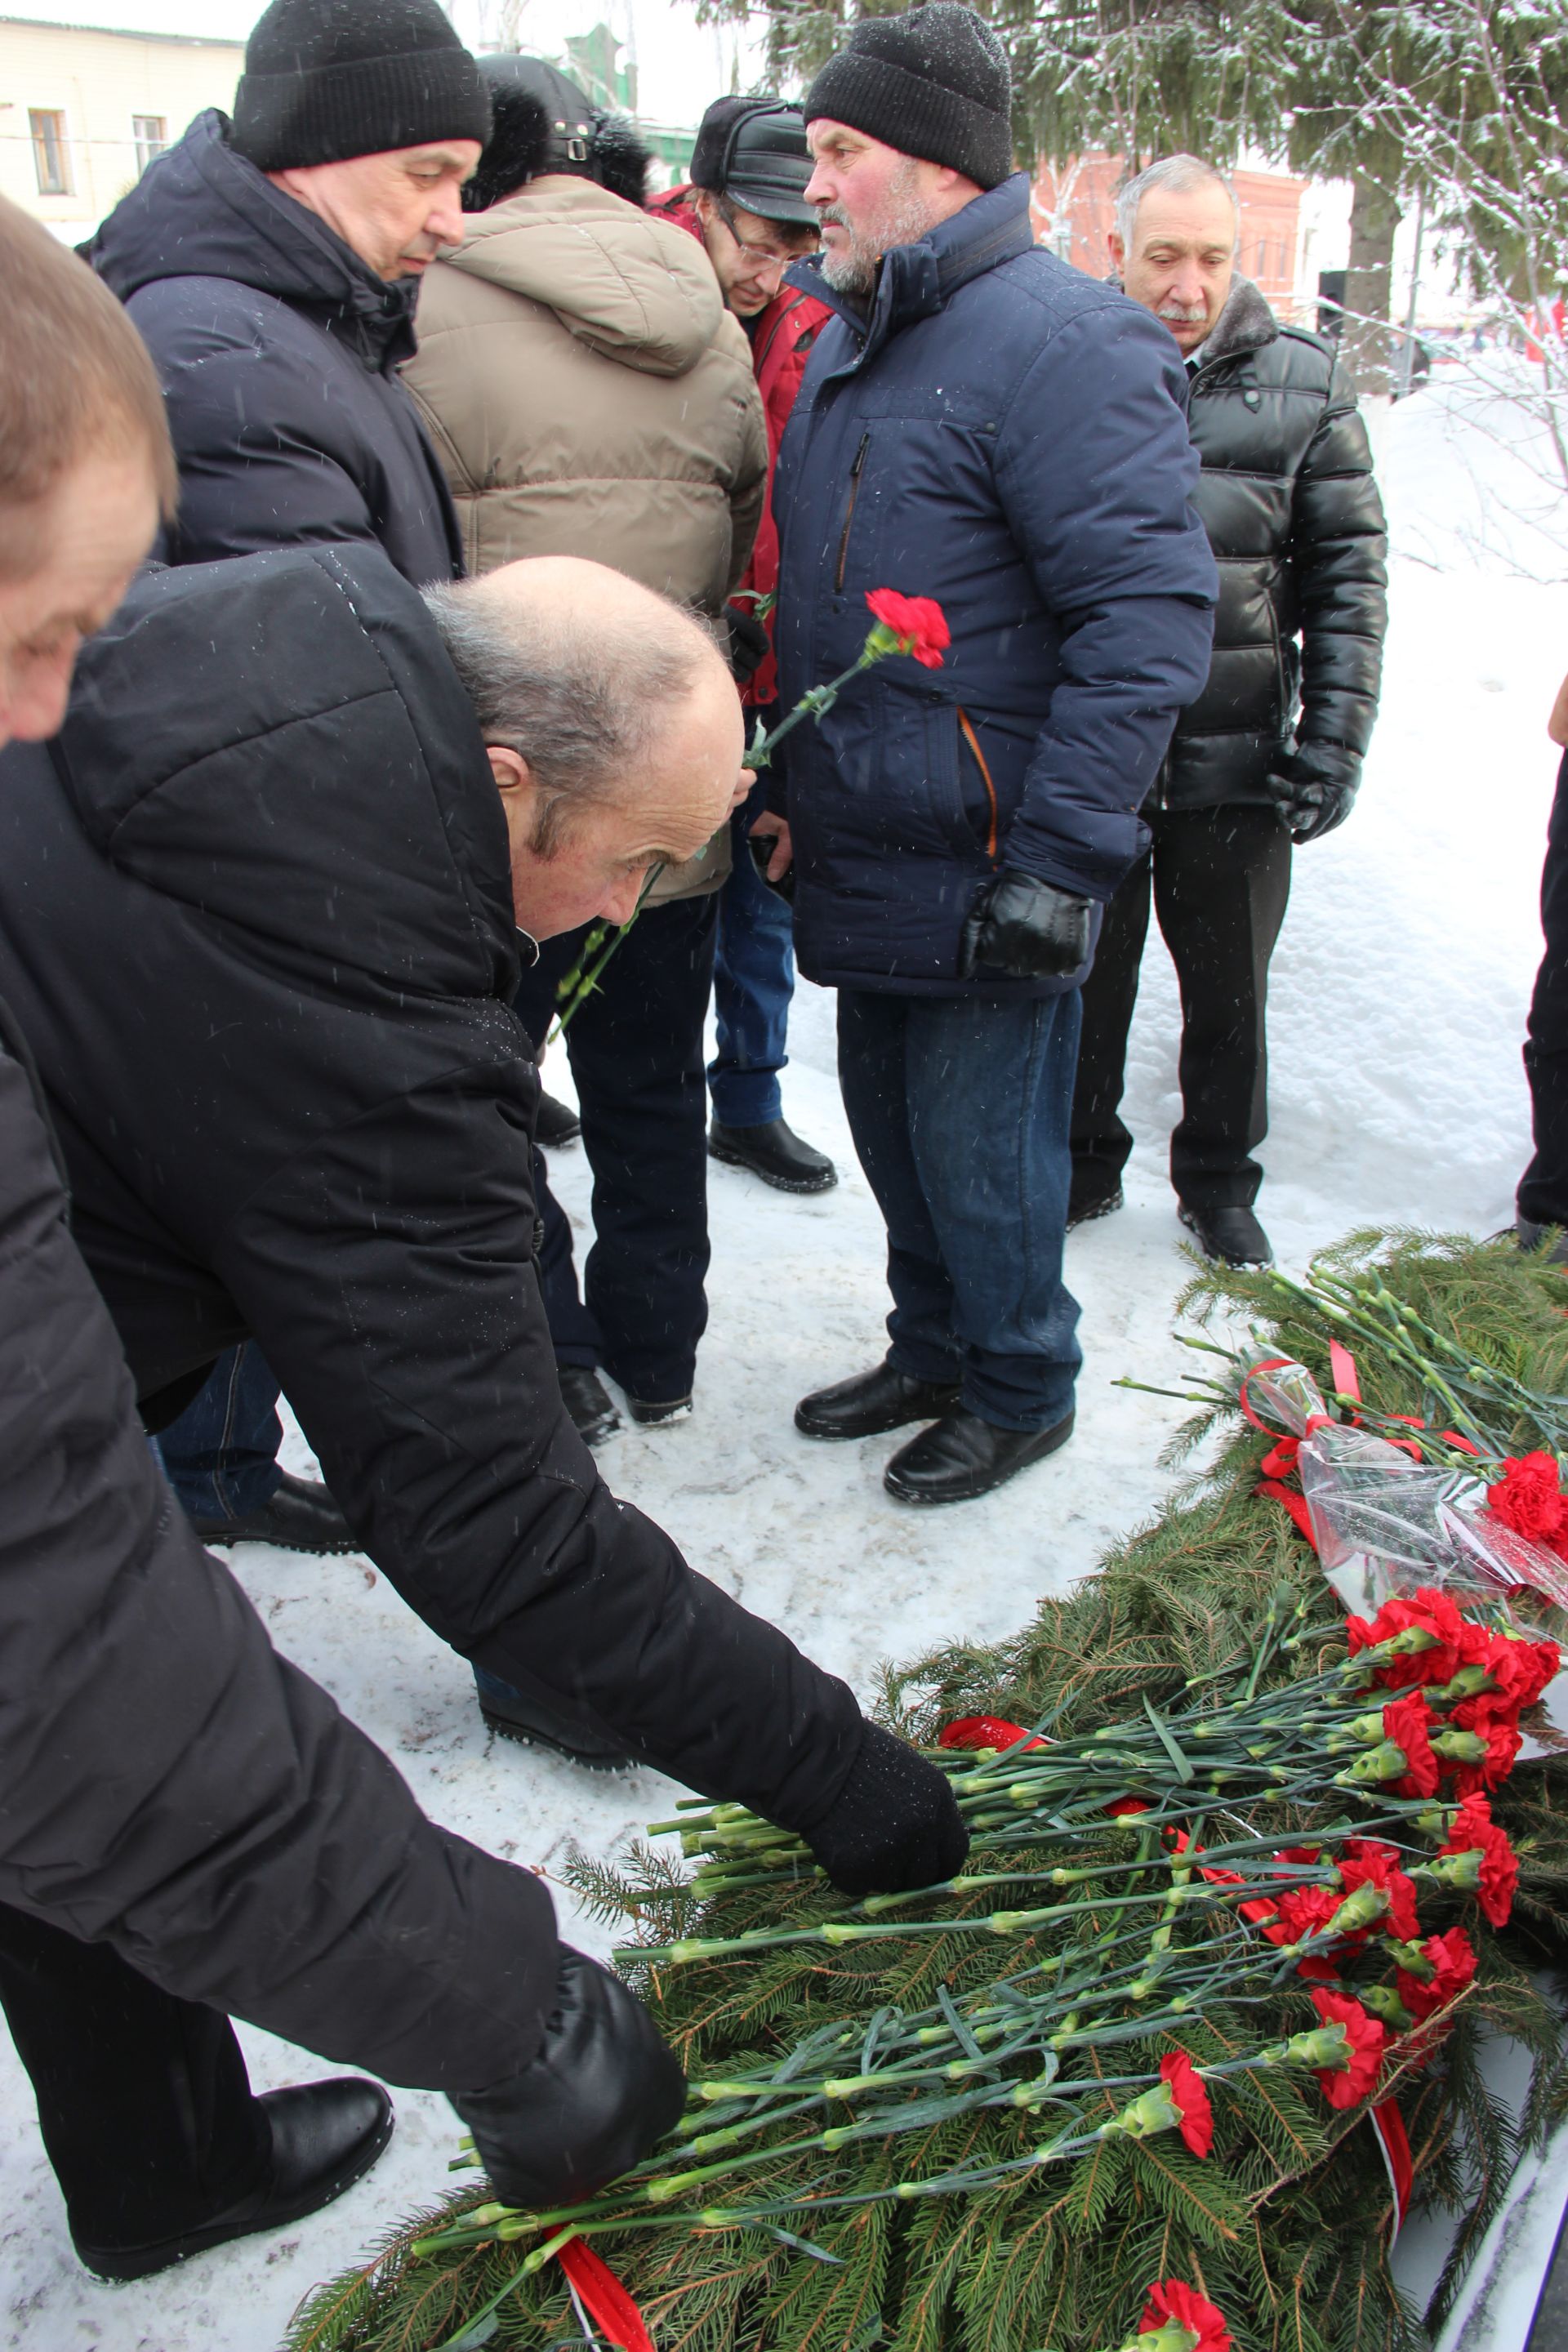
(1398, 1006)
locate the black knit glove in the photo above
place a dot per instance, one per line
(601, 2090)
(1314, 789)
(895, 1823)
(1024, 926)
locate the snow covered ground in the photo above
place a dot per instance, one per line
(1399, 998)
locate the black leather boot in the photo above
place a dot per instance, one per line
(325, 2136)
(962, 1456)
(776, 1153)
(651, 1413)
(556, 1123)
(533, 1721)
(1232, 1236)
(870, 1403)
(299, 1517)
(1085, 1209)
(589, 1402)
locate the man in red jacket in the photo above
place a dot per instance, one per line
(746, 203)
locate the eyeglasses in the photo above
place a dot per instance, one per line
(772, 249)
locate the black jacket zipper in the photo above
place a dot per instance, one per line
(849, 512)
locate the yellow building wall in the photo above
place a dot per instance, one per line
(97, 81)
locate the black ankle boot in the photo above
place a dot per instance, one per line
(962, 1456)
(299, 1517)
(588, 1401)
(536, 1724)
(1234, 1236)
(774, 1152)
(325, 2136)
(871, 1403)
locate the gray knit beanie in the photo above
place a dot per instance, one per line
(933, 83)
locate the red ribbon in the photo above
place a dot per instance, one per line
(603, 2298)
(1394, 2141)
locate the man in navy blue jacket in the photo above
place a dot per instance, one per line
(983, 425)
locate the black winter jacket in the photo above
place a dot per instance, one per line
(171, 1785)
(256, 920)
(278, 351)
(1294, 519)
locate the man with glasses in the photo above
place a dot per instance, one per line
(746, 203)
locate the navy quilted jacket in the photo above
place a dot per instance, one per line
(1009, 436)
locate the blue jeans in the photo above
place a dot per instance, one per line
(753, 980)
(220, 1455)
(960, 1108)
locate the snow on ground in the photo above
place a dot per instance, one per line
(1399, 997)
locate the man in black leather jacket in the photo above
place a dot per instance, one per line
(1271, 751)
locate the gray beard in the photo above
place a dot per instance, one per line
(904, 220)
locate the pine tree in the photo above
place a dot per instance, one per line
(1464, 101)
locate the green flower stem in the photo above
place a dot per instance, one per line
(577, 987)
(818, 700)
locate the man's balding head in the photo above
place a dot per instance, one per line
(85, 468)
(613, 726)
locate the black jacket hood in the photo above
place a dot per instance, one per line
(201, 211)
(204, 791)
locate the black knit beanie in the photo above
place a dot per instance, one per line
(933, 83)
(328, 80)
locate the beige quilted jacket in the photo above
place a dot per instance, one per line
(589, 394)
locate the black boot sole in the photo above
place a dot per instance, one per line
(522, 1738)
(727, 1157)
(224, 1539)
(1050, 1441)
(145, 2261)
(1096, 1210)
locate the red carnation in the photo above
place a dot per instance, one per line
(1475, 1832)
(918, 621)
(1172, 2302)
(1495, 1724)
(1190, 2099)
(1429, 1611)
(1304, 1911)
(1519, 1670)
(1452, 1961)
(1528, 1498)
(1408, 1721)
(1346, 2087)
(1364, 1862)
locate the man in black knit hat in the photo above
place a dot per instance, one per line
(271, 263)
(982, 426)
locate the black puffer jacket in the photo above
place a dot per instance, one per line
(1294, 519)
(255, 921)
(278, 351)
(171, 1785)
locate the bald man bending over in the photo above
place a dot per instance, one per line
(307, 817)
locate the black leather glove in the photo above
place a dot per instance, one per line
(1021, 925)
(750, 644)
(601, 2091)
(1314, 789)
(895, 1824)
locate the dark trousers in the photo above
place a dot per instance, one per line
(1543, 1189)
(1219, 880)
(959, 1108)
(753, 980)
(636, 1051)
(145, 2104)
(220, 1455)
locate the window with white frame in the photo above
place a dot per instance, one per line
(150, 132)
(51, 152)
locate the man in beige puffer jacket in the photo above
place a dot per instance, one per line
(588, 393)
